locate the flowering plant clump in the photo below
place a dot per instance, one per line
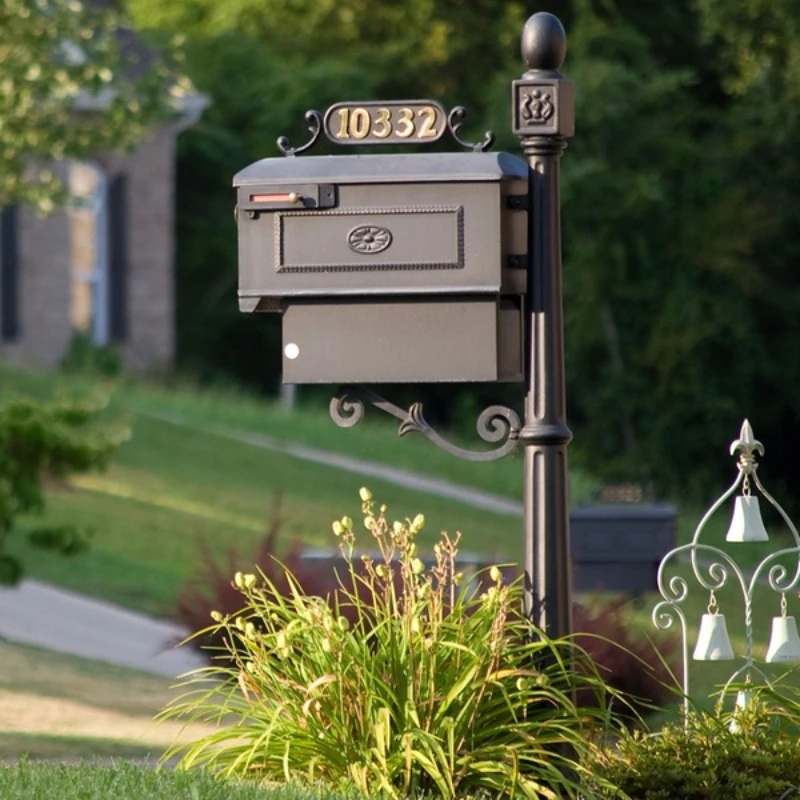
(407, 680)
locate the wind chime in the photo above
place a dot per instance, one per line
(712, 567)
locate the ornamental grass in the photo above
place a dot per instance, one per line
(407, 681)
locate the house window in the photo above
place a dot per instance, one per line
(9, 274)
(89, 251)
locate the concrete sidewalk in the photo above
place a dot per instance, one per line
(37, 614)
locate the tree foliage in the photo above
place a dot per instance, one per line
(72, 83)
(680, 194)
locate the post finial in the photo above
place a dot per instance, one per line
(544, 42)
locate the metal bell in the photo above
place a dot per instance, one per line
(746, 523)
(743, 699)
(713, 643)
(784, 644)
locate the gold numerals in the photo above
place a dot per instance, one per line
(385, 123)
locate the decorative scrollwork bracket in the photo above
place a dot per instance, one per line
(495, 423)
(314, 120)
(455, 120)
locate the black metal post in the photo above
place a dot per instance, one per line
(543, 109)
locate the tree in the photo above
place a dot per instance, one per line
(73, 82)
(681, 196)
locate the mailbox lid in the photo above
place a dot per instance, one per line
(398, 168)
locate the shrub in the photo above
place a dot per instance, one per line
(211, 588)
(636, 666)
(41, 440)
(431, 688)
(83, 356)
(706, 760)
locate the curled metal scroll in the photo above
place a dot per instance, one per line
(455, 120)
(314, 120)
(495, 424)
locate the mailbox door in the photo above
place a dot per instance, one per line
(379, 239)
(402, 340)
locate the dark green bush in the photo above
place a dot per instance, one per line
(83, 356)
(40, 441)
(705, 760)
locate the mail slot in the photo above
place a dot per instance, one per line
(388, 268)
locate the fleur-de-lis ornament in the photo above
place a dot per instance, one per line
(749, 446)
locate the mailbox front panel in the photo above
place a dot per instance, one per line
(378, 239)
(400, 341)
(403, 238)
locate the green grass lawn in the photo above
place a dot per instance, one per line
(29, 781)
(171, 486)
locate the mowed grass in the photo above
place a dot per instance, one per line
(54, 705)
(28, 781)
(375, 438)
(172, 486)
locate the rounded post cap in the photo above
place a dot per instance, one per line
(544, 42)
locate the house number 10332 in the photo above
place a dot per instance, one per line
(385, 123)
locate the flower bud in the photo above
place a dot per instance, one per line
(249, 581)
(250, 630)
(238, 580)
(343, 623)
(417, 566)
(347, 523)
(397, 527)
(365, 494)
(495, 574)
(458, 578)
(216, 616)
(338, 528)
(415, 625)
(326, 645)
(380, 571)
(418, 523)
(369, 522)
(412, 549)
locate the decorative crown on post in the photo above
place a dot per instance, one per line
(543, 100)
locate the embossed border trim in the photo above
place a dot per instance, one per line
(367, 266)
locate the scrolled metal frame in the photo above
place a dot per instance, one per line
(713, 576)
(495, 423)
(314, 120)
(455, 120)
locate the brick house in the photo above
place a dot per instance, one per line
(102, 267)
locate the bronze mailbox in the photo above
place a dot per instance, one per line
(388, 268)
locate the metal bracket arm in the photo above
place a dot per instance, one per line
(496, 423)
